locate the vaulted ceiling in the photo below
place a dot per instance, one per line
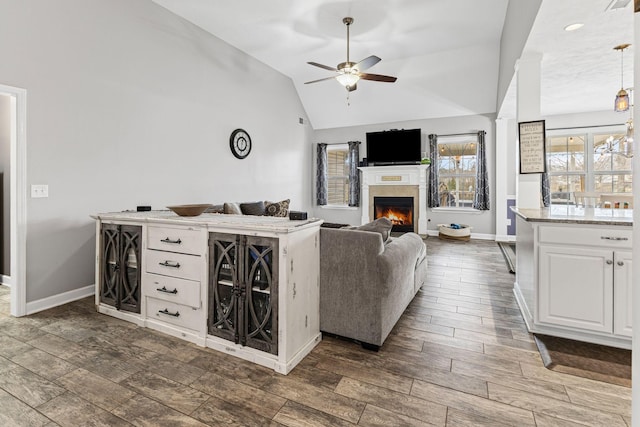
(444, 53)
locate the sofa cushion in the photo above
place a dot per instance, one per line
(232, 208)
(253, 208)
(280, 208)
(380, 225)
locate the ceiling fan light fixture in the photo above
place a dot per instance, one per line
(348, 79)
(348, 73)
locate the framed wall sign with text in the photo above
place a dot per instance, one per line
(532, 136)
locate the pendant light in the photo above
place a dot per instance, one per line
(622, 98)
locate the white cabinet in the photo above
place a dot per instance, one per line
(574, 280)
(622, 285)
(273, 275)
(576, 287)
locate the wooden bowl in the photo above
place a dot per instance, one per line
(190, 210)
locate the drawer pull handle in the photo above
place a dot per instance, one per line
(168, 240)
(167, 291)
(168, 313)
(609, 262)
(613, 238)
(620, 263)
(170, 264)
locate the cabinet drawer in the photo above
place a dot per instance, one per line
(619, 237)
(175, 314)
(182, 240)
(179, 291)
(175, 265)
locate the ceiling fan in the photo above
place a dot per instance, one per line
(348, 73)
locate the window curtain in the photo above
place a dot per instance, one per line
(354, 177)
(322, 185)
(433, 198)
(545, 189)
(481, 197)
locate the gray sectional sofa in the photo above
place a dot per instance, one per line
(367, 281)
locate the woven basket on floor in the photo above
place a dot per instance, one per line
(462, 233)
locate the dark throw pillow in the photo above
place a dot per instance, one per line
(280, 209)
(253, 208)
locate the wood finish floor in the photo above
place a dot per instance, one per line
(459, 356)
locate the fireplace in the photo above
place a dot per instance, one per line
(398, 209)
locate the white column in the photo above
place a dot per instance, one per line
(502, 141)
(528, 70)
(422, 200)
(364, 196)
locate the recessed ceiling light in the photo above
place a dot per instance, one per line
(573, 27)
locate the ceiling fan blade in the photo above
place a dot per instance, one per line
(377, 77)
(326, 67)
(367, 63)
(319, 80)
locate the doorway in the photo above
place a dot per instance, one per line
(17, 122)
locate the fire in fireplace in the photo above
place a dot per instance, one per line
(398, 209)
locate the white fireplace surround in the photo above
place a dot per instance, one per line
(396, 181)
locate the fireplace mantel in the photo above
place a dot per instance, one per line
(406, 180)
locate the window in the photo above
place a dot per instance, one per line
(338, 174)
(589, 161)
(457, 173)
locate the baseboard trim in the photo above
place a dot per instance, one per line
(6, 280)
(505, 238)
(59, 299)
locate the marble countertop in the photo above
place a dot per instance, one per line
(576, 215)
(267, 223)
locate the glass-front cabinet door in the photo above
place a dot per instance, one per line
(243, 289)
(261, 302)
(120, 274)
(224, 290)
(110, 268)
(130, 238)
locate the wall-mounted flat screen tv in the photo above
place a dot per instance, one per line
(394, 147)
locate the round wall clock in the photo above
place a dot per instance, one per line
(240, 143)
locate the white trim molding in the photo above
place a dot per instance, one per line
(18, 209)
(60, 299)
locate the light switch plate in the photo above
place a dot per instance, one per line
(39, 191)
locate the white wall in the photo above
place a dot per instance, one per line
(598, 118)
(482, 223)
(128, 105)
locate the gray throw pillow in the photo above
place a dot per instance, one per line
(280, 209)
(232, 208)
(380, 225)
(253, 208)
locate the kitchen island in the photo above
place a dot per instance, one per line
(244, 285)
(573, 273)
